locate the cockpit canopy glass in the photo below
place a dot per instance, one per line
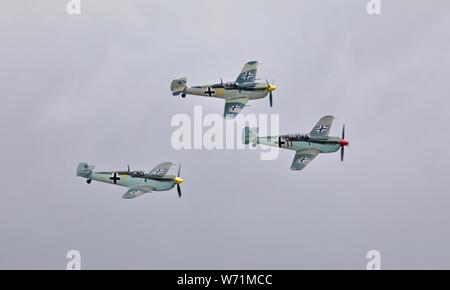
(137, 173)
(230, 86)
(295, 137)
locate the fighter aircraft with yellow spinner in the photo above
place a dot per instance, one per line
(138, 182)
(236, 94)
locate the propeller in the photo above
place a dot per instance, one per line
(270, 88)
(343, 143)
(178, 180)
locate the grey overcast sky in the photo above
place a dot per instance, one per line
(95, 87)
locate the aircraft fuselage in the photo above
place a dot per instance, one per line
(326, 145)
(253, 92)
(124, 179)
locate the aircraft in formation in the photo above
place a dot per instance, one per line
(138, 182)
(236, 94)
(306, 146)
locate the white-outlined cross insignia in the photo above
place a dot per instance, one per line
(247, 75)
(114, 177)
(210, 92)
(321, 129)
(160, 171)
(303, 159)
(233, 108)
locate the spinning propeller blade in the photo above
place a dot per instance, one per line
(178, 180)
(270, 88)
(343, 143)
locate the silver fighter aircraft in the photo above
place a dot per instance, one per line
(236, 94)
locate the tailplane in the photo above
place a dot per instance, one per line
(84, 170)
(250, 135)
(178, 86)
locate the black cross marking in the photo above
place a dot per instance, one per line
(321, 129)
(210, 92)
(114, 178)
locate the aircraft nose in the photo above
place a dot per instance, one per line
(178, 180)
(272, 88)
(343, 142)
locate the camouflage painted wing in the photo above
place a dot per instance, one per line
(303, 157)
(248, 73)
(136, 191)
(161, 169)
(234, 106)
(322, 127)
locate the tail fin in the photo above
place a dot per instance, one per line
(84, 170)
(178, 86)
(250, 135)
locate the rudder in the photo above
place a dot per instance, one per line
(250, 135)
(84, 170)
(178, 86)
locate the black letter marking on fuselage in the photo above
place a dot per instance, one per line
(280, 142)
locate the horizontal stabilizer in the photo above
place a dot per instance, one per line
(250, 135)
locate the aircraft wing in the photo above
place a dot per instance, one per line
(161, 169)
(248, 73)
(303, 157)
(234, 106)
(322, 127)
(136, 191)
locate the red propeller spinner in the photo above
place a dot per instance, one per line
(343, 143)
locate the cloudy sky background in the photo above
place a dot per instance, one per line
(95, 87)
